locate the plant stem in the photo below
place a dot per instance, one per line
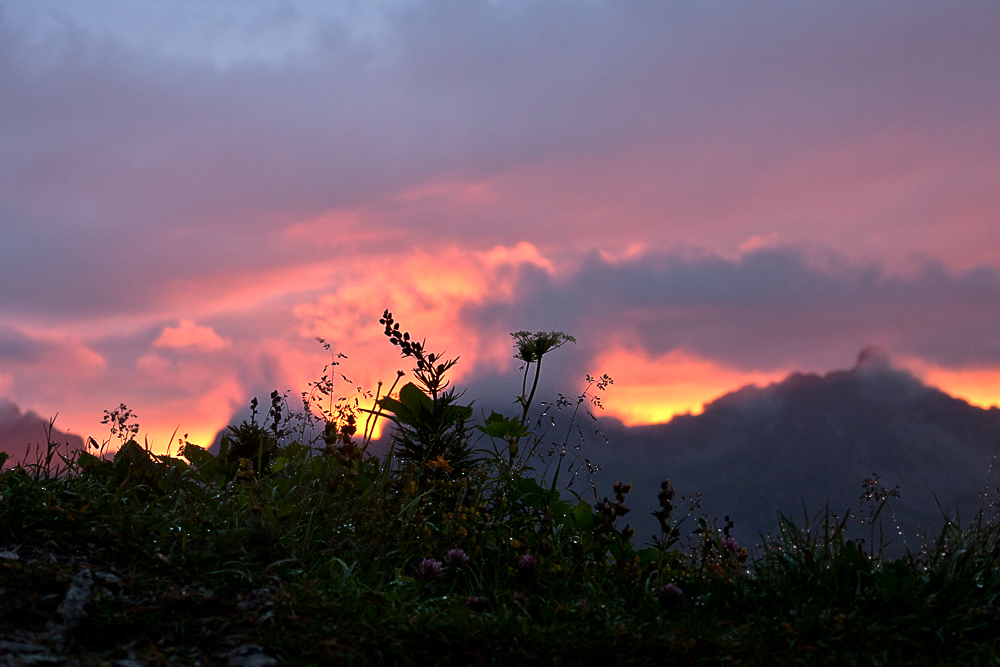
(534, 385)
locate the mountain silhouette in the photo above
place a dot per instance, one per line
(21, 432)
(807, 443)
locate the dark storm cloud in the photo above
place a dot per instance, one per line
(768, 309)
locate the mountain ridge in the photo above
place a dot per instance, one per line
(812, 439)
(21, 432)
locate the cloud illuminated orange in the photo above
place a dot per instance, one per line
(426, 291)
(653, 389)
(979, 386)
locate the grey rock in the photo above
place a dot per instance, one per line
(20, 647)
(72, 609)
(107, 578)
(250, 655)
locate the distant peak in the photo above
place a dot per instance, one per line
(873, 357)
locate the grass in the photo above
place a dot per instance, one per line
(458, 546)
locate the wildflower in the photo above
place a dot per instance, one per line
(528, 563)
(440, 463)
(730, 545)
(518, 597)
(671, 594)
(430, 570)
(477, 604)
(532, 346)
(456, 558)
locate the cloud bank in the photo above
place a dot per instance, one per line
(703, 194)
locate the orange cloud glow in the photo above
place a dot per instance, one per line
(978, 386)
(426, 292)
(652, 390)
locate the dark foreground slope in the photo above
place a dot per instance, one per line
(812, 440)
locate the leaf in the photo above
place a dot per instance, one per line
(457, 413)
(132, 455)
(413, 399)
(583, 516)
(407, 409)
(198, 456)
(173, 462)
(286, 510)
(649, 555)
(207, 467)
(530, 492)
(563, 512)
(505, 428)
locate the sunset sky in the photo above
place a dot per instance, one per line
(705, 194)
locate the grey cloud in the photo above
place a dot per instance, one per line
(127, 164)
(19, 348)
(471, 86)
(768, 309)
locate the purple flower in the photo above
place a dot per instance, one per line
(528, 563)
(518, 597)
(456, 558)
(477, 604)
(430, 570)
(670, 594)
(730, 545)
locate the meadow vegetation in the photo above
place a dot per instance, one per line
(463, 543)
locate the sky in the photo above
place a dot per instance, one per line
(705, 194)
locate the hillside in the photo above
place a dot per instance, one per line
(20, 432)
(812, 439)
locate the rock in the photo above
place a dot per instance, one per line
(250, 655)
(21, 653)
(72, 609)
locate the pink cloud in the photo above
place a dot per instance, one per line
(747, 190)
(188, 334)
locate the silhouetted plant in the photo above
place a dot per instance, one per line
(253, 446)
(432, 429)
(322, 552)
(875, 499)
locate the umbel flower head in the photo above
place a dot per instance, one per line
(533, 346)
